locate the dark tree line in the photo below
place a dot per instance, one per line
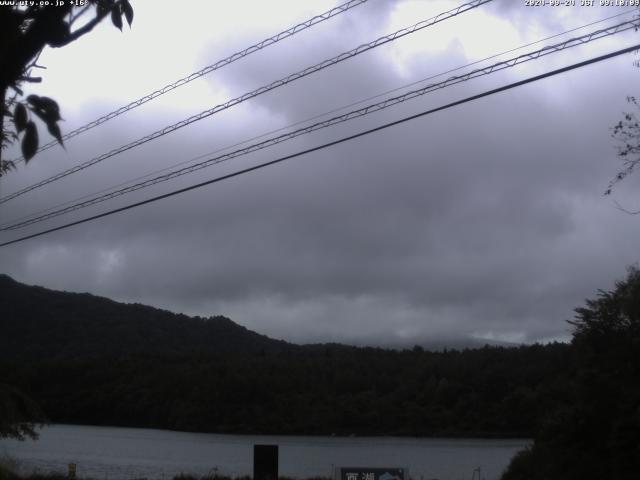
(489, 392)
(20, 414)
(594, 433)
(579, 401)
(87, 359)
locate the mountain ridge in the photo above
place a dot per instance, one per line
(86, 325)
(93, 361)
(38, 322)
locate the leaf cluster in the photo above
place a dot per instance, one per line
(26, 31)
(47, 110)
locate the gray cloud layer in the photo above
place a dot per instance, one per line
(485, 220)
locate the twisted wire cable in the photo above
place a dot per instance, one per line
(208, 69)
(264, 89)
(315, 117)
(329, 144)
(512, 62)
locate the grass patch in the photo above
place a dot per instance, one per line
(9, 468)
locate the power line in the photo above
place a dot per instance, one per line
(208, 69)
(335, 120)
(332, 143)
(315, 117)
(264, 89)
(573, 42)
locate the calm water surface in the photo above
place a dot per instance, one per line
(125, 453)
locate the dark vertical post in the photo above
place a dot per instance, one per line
(265, 462)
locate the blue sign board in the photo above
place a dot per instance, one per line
(364, 473)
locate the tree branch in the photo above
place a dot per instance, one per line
(81, 31)
(82, 11)
(621, 208)
(30, 79)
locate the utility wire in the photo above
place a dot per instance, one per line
(309, 119)
(278, 83)
(598, 34)
(208, 69)
(332, 143)
(301, 122)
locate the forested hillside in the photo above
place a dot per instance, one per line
(487, 392)
(87, 359)
(38, 323)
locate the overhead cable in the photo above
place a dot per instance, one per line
(332, 143)
(208, 69)
(309, 119)
(512, 62)
(264, 89)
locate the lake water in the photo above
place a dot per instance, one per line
(111, 453)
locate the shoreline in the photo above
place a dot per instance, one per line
(480, 436)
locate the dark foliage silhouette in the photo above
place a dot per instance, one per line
(25, 30)
(594, 432)
(90, 360)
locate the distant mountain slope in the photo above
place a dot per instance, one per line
(38, 323)
(89, 360)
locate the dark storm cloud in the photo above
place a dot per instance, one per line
(482, 220)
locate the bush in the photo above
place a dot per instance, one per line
(8, 469)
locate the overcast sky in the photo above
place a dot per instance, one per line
(486, 220)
